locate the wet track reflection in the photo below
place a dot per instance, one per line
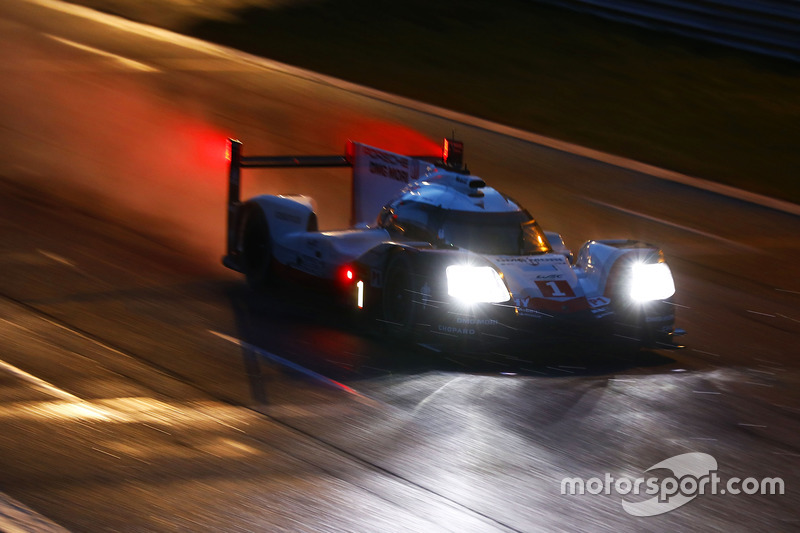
(488, 438)
(330, 340)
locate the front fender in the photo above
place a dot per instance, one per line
(606, 269)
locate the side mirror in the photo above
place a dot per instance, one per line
(559, 247)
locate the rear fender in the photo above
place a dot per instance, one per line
(284, 214)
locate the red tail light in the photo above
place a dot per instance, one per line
(347, 274)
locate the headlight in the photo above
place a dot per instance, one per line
(651, 281)
(473, 284)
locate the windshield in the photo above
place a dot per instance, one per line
(514, 233)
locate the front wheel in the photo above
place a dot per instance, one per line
(399, 304)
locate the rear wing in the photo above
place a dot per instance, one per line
(378, 175)
(237, 162)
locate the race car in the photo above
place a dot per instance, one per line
(434, 252)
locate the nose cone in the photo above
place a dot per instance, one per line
(542, 284)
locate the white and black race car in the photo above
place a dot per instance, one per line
(433, 250)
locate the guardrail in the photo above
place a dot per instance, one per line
(770, 27)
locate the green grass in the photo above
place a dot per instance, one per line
(690, 107)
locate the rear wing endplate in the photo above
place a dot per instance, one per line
(377, 176)
(238, 162)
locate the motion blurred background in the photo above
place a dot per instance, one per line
(683, 104)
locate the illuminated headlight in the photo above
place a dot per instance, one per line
(651, 281)
(473, 284)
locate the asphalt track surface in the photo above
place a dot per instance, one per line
(142, 388)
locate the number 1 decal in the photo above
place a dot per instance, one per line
(555, 289)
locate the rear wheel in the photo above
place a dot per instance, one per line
(257, 247)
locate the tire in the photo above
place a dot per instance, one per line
(399, 307)
(257, 247)
(632, 335)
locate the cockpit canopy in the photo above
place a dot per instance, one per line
(507, 232)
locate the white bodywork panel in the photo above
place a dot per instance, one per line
(378, 176)
(322, 254)
(316, 253)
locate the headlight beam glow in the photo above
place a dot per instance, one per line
(476, 284)
(651, 281)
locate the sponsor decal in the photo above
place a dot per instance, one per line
(456, 330)
(513, 260)
(387, 157)
(388, 165)
(477, 321)
(528, 260)
(598, 301)
(523, 309)
(555, 289)
(599, 305)
(397, 174)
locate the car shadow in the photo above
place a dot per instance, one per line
(304, 333)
